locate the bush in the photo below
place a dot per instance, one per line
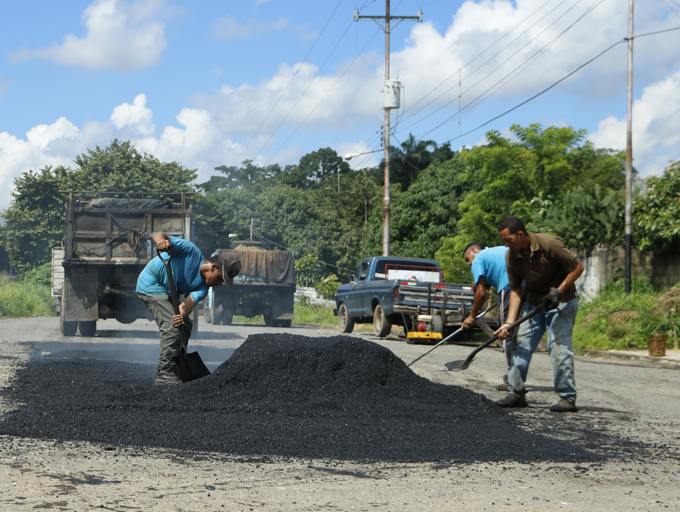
(327, 287)
(614, 320)
(25, 299)
(41, 275)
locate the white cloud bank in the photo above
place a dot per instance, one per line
(656, 127)
(120, 36)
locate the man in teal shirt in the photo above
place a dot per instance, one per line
(193, 275)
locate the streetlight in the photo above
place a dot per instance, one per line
(349, 156)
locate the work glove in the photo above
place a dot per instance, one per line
(552, 300)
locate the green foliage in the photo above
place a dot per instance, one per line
(657, 212)
(308, 271)
(327, 286)
(314, 314)
(41, 276)
(409, 160)
(662, 322)
(587, 218)
(19, 299)
(614, 320)
(450, 257)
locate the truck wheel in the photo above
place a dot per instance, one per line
(268, 319)
(227, 319)
(207, 314)
(285, 323)
(381, 324)
(344, 320)
(88, 328)
(67, 328)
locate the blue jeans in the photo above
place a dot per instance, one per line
(559, 323)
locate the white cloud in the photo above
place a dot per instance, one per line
(228, 28)
(656, 127)
(120, 36)
(136, 116)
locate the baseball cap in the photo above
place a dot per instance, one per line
(231, 266)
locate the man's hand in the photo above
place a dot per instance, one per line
(468, 322)
(552, 300)
(163, 245)
(503, 331)
(177, 320)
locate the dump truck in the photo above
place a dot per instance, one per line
(107, 243)
(265, 286)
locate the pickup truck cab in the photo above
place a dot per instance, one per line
(402, 291)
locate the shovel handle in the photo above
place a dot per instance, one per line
(495, 336)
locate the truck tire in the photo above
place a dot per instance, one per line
(207, 314)
(67, 328)
(344, 320)
(88, 328)
(227, 319)
(381, 324)
(268, 319)
(285, 323)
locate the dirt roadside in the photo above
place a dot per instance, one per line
(631, 405)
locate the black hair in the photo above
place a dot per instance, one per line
(470, 246)
(512, 224)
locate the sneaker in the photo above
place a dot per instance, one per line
(564, 405)
(513, 400)
(167, 378)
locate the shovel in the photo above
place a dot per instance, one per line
(449, 336)
(463, 365)
(189, 366)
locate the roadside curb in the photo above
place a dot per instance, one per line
(657, 362)
(317, 326)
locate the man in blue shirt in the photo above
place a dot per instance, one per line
(489, 270)
(193, 275)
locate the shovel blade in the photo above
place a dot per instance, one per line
(457, 365)
(190, 366)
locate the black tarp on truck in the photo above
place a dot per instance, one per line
(265, 286)
(107, 243)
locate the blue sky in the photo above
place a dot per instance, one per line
(214, 83)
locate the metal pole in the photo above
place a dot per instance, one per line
(386, 198)
(629, 155)
(251, 229)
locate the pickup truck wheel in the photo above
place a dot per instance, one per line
(344, 320)
(88, 328)
(381, 324)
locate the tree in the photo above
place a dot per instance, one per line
(35, 218)
(657, 212)
(413, 157)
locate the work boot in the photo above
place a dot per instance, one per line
(166, 378)
(513, 400)
(564, 405)
(504, 385)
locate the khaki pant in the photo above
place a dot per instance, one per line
(162, 311)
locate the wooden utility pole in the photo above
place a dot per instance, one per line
(386, 136)
(629, 156)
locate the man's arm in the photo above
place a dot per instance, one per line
(185, 309)
(513, 310)
(480, 297)
(571, 278)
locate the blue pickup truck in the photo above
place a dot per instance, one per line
(409, 292)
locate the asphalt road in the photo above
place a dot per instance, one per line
(634, 410)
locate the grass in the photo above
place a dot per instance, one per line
(303, 314)
(615, 321)
(19, 299)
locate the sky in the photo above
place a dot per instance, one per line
(215, 83)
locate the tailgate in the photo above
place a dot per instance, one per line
(413, 297)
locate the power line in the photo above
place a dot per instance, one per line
(287, 86)
(304, 92)
(484, 51)
(509, 76)
(515, 71)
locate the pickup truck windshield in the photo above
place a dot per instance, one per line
(420, 271)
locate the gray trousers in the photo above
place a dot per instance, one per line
(171, 343)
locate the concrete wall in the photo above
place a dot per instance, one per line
(602, 264)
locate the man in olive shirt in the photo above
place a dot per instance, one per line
(549, 271)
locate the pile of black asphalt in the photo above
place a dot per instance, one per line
(278, 395)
